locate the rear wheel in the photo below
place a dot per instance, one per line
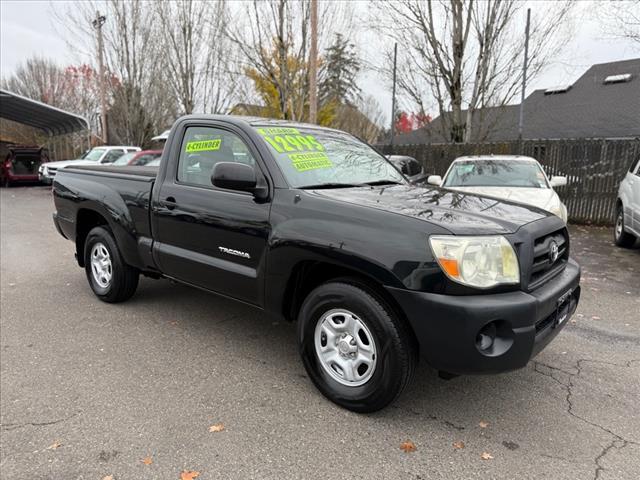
(622, 238)
(356, 350)
(110, 278)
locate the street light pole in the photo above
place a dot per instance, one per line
(393, 95)
(313, 64)
(98, 22)
(524, 78)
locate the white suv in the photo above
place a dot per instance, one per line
(627, 228)
(98, 155)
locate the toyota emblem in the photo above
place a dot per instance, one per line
(553, 252)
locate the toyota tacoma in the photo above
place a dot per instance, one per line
(312, 225)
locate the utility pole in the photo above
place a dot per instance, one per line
(98, 22)
(393, 95)
(313, 64)
(524, 78)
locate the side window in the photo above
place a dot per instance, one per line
(635, 167)
(112, 156)
(203, 147)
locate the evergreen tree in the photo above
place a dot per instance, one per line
(338, 73)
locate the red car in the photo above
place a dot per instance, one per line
(21, 165)
(137, 159)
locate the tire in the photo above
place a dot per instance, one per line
(394, 350)
(6, 183)
(620, 237)
(113, 280)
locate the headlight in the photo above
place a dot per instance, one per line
(481, 262)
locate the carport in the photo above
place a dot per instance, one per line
(57, 124)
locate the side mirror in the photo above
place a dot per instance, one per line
(434, 180)
(238, 176)
(557, 181)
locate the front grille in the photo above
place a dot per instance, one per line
(544, 266)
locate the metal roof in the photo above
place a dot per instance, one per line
(52, 120)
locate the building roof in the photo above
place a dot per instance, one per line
(603, 103)
(51, 120)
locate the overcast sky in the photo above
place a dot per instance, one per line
(27, 28)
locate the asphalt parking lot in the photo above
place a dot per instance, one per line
(90, 390)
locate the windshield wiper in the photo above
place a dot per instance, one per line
(349, 185)
(379, 182)
(329, 185)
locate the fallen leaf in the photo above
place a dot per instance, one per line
(108, 477)
(147, 460)
(408, 446)
(188, 475)
(218, 427)
(174, 323)
(54, 445)
(458, 445)
(486, 456)
(483, 424)
(595, 317)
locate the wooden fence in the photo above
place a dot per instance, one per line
(594, 168)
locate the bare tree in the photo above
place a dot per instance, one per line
(621, 19)
(467, 55)
(273, 40)
(196, 53)
(39, 79)
(133, 53)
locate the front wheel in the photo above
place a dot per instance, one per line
(622, 238)
(356, 350)
(110, 278)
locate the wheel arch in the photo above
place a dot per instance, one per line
(86, 220)
(309, 274)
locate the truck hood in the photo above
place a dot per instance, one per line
(66, 163)
(459, 212)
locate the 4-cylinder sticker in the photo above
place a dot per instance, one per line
(203, 145)
(310, 161)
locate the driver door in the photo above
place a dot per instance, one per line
(206, 236)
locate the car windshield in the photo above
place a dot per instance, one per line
(124, 159)
(94, 155)
(496, 173)
(314, 158)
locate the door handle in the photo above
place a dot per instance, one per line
(170, 203)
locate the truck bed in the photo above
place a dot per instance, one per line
(149, 172)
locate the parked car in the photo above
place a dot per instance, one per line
(409, 166)
(510, 177)
(97, 155)
(627, 226)
(154, 163)
(21, 165)
(310, 224)
(137, 159)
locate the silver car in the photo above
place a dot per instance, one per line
(627, 228)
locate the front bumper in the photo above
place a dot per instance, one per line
(45, 179)
(447, 327)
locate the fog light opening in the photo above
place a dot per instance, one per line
(495, 338)
(486, 337)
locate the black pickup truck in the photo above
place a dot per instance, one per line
(314, 226)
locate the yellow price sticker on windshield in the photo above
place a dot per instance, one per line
(278, 131)
(203, 145)
(310, 161)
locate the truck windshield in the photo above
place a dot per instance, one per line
(314, 158)
(94, 155)
(495, 173)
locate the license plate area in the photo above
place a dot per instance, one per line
(564, 308)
